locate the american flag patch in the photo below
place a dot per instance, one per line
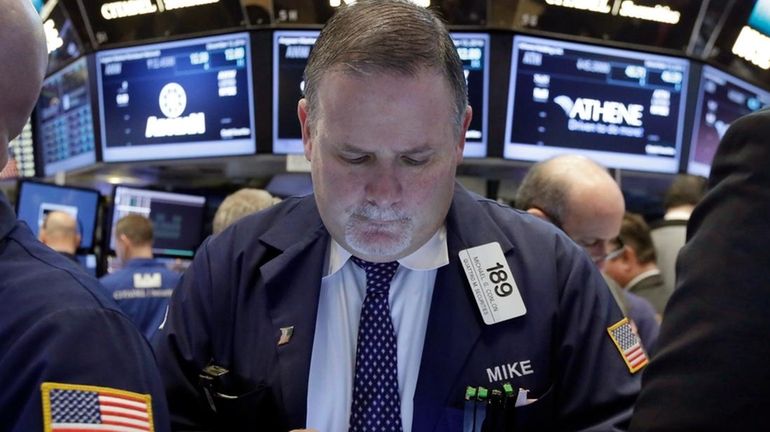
(629, 345)
(82, 408)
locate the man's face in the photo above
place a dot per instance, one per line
(616, 265)
(384, 149)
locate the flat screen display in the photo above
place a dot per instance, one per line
(177, 100)
(623, 109)
(36, 200)
(722, 98)
(177, 218)
(61, 35)
(291, 50)
(65, 119)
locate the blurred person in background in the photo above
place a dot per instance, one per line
(634, 267)
(60, 232)
(143, 285)
(668, 234)
(239, 204)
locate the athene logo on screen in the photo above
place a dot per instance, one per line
(602, 117)
(606, 111)
(172, 101)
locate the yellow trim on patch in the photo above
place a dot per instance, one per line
(615, 326)
(46, 388)
(632, 369)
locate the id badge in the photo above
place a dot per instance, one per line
(492, 283)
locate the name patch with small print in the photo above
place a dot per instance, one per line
(492, 283)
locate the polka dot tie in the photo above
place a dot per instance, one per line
(376, 402)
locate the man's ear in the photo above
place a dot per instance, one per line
(539, 213)
(302, 113)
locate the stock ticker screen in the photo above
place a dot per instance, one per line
(722, 98)
(622, 108)
(291, 49)
(177, 100)
(177, 219)
(65, 120)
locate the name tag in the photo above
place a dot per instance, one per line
(492, 284)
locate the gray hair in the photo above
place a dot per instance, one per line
(393, 36)
(241, 203)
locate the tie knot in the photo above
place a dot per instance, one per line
(378, 275)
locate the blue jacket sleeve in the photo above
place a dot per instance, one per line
(597, 389)
(183, 346)
(86, 348)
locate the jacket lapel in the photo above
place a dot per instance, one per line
(454, 323)
(292, 283)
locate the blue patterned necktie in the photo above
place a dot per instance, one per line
(376, 401)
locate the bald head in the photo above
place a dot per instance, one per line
(60, 232)
(22, 43)
(578, 195)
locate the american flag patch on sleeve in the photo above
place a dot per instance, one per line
(72, 407)
(629, 345)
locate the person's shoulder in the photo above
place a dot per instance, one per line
(516, 223)
(290, 215)
(42, 280)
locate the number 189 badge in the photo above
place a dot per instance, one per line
(492, 283)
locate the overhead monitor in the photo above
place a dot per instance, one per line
(624, 109)
(657, 23)
(37, 199)
(112, 22)
(722, 98)
(291, 49)
(177, 100)
(177, 218)
(64, 32)
(65, 128)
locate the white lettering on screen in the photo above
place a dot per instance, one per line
(193, 124)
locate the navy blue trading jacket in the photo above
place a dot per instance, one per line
(142, 289)
(264, 273)
(58, 327)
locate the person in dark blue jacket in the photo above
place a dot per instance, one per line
(63, 343)
(382, 297)
(143, 286)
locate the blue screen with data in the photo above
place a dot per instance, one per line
(176, 100)
(36, 200)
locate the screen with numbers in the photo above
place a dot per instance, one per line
(722, 98)
(177, 100)
(624, 109)
(65, 119)
(291, 49)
